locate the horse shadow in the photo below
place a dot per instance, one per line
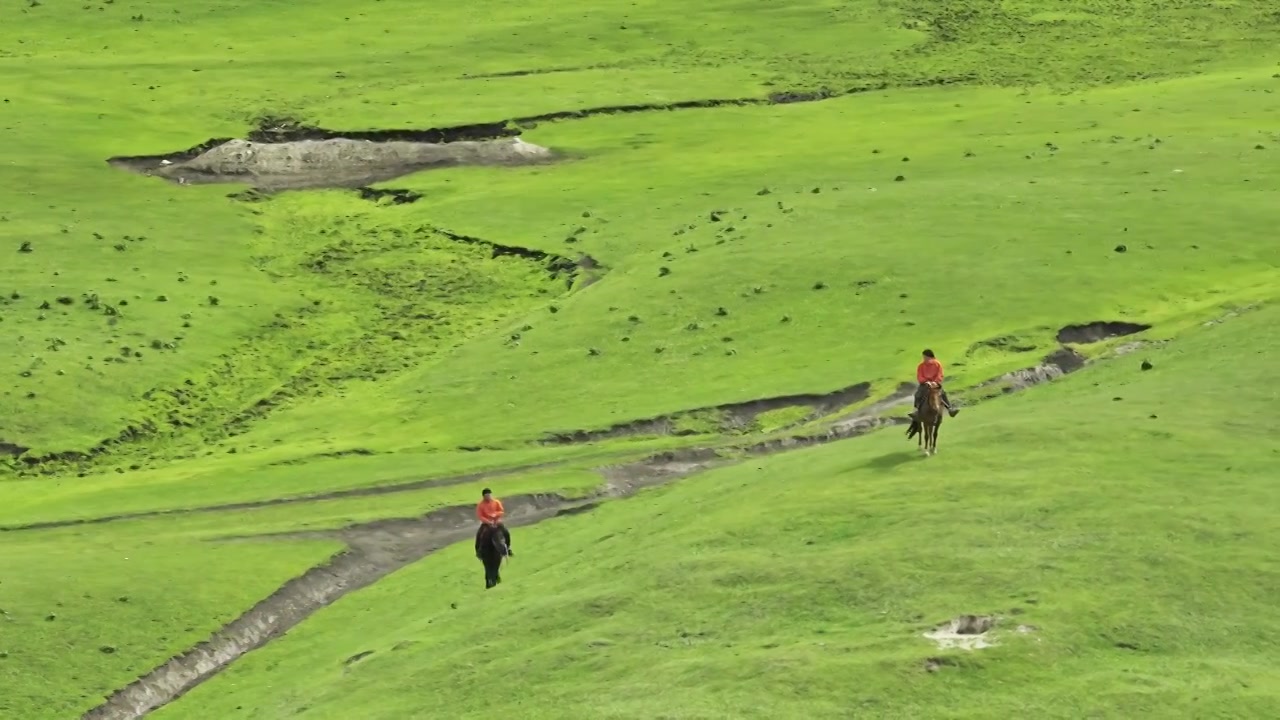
(889, 461)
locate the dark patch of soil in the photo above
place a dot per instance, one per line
(1065, 359)
(733, 416)
(972, 624)
(1007, 343)
(526, 73)
(11, 449)
(394, 196)
(1056, 364)
(557, 265)
(357, 657)
(934, 664)
(288, 130)
(1098, 331)
(786, 98)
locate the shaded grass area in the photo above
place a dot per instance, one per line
(1123, 518)
(84, 612)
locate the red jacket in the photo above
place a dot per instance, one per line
(929, 371)
(490, 510)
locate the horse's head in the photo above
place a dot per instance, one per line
(934, 396)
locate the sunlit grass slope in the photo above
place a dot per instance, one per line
(175, 312)
(1125, 515)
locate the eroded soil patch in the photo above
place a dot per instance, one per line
(330, 162)
(967, 632)
(1056, 364)
(730, 417)
(1098, 331)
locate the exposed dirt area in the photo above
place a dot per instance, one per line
(332, 162)
(1098, 331)
(11, 449)
(389, 195)
(967, 632)
(1055, 365)
(730, 417)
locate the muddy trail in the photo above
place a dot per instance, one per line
(377, 549)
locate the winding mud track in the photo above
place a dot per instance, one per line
(377, 549)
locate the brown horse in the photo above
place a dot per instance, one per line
(930, 420)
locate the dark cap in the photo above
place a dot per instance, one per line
(928, 353)
(486, 491)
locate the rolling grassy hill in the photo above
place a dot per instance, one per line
(1123, 515)
(757, 216)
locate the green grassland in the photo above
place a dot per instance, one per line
(1125, 515)
(86, 611)
(147, 589)
(981, 171)
(393, 342)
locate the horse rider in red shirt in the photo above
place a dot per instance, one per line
(489, 511)
(929, 371)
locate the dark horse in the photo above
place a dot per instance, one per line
(929, 420)
(493, 550)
